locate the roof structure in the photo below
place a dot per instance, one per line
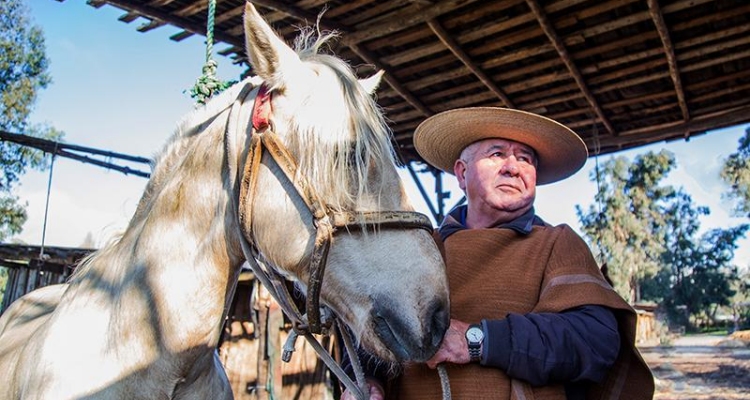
(621, 73)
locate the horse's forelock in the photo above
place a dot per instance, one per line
(360, 138)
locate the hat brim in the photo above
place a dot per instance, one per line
(441, 138)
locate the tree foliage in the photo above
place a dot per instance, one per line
(736, 173)
(624, 224)
(700, 273)
(648, 234)
(23, 72)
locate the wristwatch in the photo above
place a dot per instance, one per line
(475, 337)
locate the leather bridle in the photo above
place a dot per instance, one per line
(327, 223)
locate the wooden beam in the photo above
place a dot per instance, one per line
(191, 9)
(155, 13)
(224, 16)
(159, 3)
(150, 25)
(392, 81)
(698, 124)
(674, 71)
(178, 37)
(419, 16)
(129, 17)
(562, 51)
(300, 14)
(374, 11)
(92, 3)
(446, 38)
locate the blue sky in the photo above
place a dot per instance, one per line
(117, 89)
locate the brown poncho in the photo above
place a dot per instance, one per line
(493, 272)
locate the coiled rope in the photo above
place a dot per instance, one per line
(208, 84)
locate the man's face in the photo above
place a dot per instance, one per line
(498, 175)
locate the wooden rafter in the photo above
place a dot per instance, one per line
(391, 80)
(562, 51)
(623, 50)
(301, 14)
(418, 16)
(453, 46)
(156, 13)
(674, 71)
(698, 124)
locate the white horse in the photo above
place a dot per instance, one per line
(141, 318)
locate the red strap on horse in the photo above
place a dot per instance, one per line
(262, 109)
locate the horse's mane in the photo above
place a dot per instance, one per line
(344, 168)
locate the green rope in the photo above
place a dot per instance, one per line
(208, 84)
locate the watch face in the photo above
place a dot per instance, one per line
(474, 334)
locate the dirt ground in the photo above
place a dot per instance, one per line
(701, 367)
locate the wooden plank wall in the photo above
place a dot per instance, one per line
(25, 277)
(255, 333)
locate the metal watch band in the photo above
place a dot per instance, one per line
(475, 353)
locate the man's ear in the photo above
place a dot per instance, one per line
(459, 169)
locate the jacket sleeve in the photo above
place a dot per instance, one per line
(575, 345)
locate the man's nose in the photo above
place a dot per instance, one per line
(510, 166)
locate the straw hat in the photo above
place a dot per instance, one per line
(441, 138)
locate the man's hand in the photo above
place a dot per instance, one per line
(376, 391)
(454, 348)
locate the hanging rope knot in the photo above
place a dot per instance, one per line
(208, 84)
(209, 69)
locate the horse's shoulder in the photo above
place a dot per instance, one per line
(36, 304)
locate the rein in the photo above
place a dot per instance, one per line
(327, 223)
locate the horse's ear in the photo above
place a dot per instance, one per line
(371, 84)
(267, 53)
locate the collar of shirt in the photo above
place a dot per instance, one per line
(456, 221)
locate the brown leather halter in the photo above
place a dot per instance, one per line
(326, 221)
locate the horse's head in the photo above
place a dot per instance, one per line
(388, 285)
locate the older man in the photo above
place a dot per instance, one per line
(531, 315)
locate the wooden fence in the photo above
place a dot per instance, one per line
(32, 267)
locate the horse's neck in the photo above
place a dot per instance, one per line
(177, 262)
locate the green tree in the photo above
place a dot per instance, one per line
(648, 234)
(23, 72)
(699, 270)
(736, 173)
(625, 224)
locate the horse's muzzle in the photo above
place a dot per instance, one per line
(406, 338)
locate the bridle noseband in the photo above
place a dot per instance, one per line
(327, 223)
